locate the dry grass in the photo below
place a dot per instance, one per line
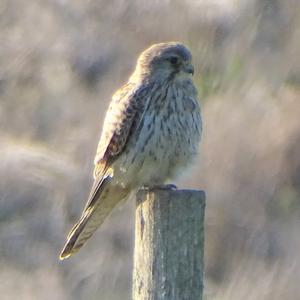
(61, 61)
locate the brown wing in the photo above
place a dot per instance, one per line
(119, 119)
(123, 115)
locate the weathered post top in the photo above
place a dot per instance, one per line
(169, 243)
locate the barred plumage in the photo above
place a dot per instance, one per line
(151, 131)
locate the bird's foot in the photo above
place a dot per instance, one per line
(163, 187)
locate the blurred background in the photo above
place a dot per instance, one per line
(60, 62)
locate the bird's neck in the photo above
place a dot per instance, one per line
(145, 77)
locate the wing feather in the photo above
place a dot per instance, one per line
(123, 115)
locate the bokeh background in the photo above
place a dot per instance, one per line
(60, 61)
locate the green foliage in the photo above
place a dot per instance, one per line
(215, 80)
(285, 204)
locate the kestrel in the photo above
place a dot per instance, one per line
(151, 132)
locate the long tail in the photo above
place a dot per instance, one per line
(103, 199)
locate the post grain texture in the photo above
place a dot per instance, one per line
(169, 243)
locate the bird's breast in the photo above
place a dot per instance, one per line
(165, 141)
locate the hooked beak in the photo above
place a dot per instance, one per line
(188, 68)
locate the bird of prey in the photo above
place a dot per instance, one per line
(151, 132)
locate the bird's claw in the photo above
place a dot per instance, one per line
(163, 187)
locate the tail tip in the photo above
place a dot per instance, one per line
(64, 254)
(67, 251)
(63, 257)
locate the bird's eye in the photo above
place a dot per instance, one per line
(173, 60)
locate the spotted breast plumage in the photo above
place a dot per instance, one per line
(151, 132)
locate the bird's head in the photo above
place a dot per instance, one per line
(164, 61)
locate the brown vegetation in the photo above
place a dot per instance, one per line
(61, 61)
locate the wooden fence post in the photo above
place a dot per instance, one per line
(169, 243)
